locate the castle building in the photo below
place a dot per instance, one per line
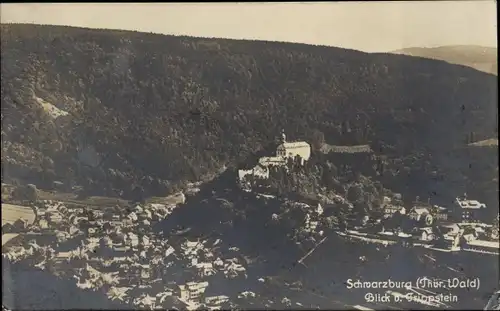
(284, 151)
(293, 149)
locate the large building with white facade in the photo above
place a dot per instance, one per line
(293, 149)
(469, 210)
(284, 151)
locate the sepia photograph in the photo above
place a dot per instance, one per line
(250, 155)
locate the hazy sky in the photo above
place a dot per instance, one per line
(371, 27)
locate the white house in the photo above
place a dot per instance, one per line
(417, 212)
(192, 290)
(441, 213)
(426, 234)
(55, 217)
(133, 239)
(205, 269)
(216, 300)
(145, 241)
(494, 233)
(132, 216)
(390, 209)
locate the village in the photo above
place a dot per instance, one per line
(116, 252)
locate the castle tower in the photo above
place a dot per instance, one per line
(283, 136)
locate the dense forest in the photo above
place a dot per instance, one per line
(154, 111)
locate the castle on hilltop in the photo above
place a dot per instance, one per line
(284, 151)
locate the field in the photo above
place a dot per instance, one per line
(11, 213)
(7, 237)
(95, 201)
(493, 142)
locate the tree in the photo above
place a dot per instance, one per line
(355, 193)
(26, 193)
(331, 222)
(317, 140)
(138, 195)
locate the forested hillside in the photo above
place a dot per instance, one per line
(112, 110)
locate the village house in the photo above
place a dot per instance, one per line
(205, 269)
(55, 217)
(440, 213)
(216, 301)
(132, 216)
(147, 214)
(192, 291)
(191, 248)
(426, 234)
(319, 210)
(62, 258)
(169, 251)
(91, 232)
(233, 269)
(218, 263)
(390, 209)
(62, 236)
(494, 233)
(98, 214)
(145, 272)
(74, 219)
(145, 241)
(419, 213)
(138, 209)
(43, 224)
(132, 240)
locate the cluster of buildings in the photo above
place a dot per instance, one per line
(114, 250)
(460, 226)
(462, 211)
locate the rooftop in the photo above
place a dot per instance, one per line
(470, 204)
(484, 243)
(295, 144)
(420, 210)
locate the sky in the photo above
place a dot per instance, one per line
(366, 26)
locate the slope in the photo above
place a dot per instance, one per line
(241, 224)
(153, 111)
